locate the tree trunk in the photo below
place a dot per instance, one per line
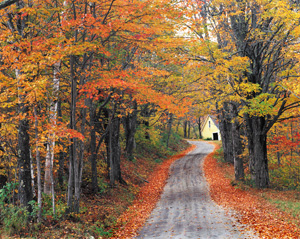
(38, 165)
(61, 158)
(257, 144)
(225, 126)
(185, 129)
(147, 135)
(32, 175)
(114, 152)
(24, 168)
(189, 129)
(78, 164)
(199, 127)
(24, 165)
(73, 145)
(237, 151)
(47, 179)
(25, 188)
(130, 122)
(93, 158)
(170, 121)
(49, 183)
(77, 145)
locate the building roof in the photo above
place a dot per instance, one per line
(213, 118)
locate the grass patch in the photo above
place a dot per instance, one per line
(288, 206)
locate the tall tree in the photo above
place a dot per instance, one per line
(255, 62)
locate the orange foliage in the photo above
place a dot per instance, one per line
(137, 214)
(254, 210)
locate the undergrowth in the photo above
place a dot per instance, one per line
(98, 213)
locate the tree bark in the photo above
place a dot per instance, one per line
(170, 121)
(38, 165)
(25, 192)
(93, 158)
(258, 151)
(25, 188)
(225, 127)
(185, 129)
(49, 183)
(114, 152)
(199, 127)
(130, 123)
(78, 169)
(61, 158)
(237, 151)
(73, 145)
(24, 159)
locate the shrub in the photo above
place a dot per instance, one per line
(14, 218)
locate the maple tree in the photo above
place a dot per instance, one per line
(284, 154)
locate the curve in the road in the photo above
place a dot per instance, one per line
(185, 209)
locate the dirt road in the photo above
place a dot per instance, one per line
(185, 209)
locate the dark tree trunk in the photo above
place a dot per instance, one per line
(189, 129)
(257, 145)
(185, 129)
(24, 164)
(93, 158)
(146, 113)
(61, 159)
(147, 135)
(130, 123)
(114, 152)
(225, 126)
(77, 145)
(237, 149)
(199, 127)
(25, 188)
(170, 121)
(74, 143)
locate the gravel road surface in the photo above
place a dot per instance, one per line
(186, 210)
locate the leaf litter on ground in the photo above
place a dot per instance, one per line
(251, 204)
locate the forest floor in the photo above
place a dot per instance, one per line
(269, 211)
(121, 211)
(98, 217)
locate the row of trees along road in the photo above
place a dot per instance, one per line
(247, 60)
(71, 72)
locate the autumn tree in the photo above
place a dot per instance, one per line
(252, 53)
(17, 23)
(71, 73)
